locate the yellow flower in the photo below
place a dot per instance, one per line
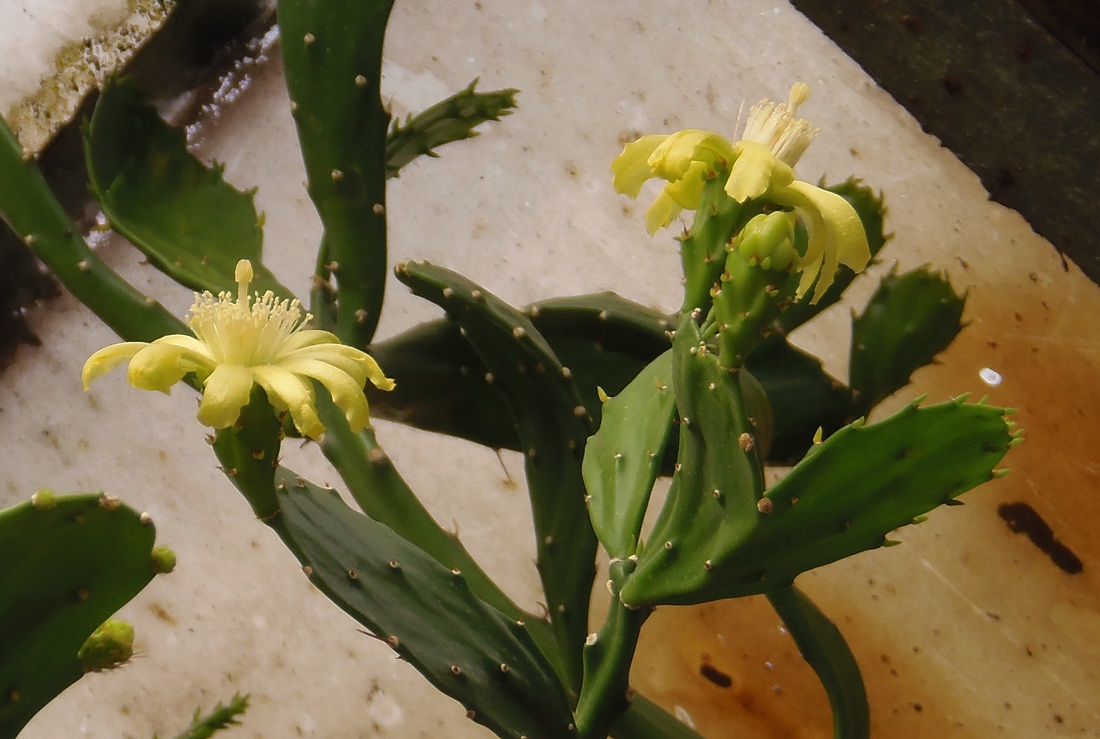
(759, 167)
(253, 340)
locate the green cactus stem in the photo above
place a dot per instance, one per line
(183, 215)
(908, 321)
(703, 246)
(717, 483)
(70, 561)
(824, 648)
(553, 426)
(346, 552)
(608, 655)
(383, 494)
(29, 207)
(425, 612)
(332, 52)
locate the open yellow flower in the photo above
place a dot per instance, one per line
(758, 166)
(250, 340)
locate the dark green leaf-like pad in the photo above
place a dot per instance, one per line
(191, 223)
(424, 611)
(553, 426)
(910, 319)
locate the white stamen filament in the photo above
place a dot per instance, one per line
(775, 126)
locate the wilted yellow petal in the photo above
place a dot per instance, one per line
(756, 172)
(631, 168)
(107, 358)
(835, 234)
(661, 212)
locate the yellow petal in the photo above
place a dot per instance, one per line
(835, 235)
(288, 392)
(661, 212)
(347, 358)
(309, 337)
(843, 223)
(107, 358)
(672, 158)
(346, 393)
(194, 347)
(160, 365)
(687, 191)
(631, 168)
(224, 393)
(755, 172)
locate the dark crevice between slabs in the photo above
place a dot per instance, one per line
(185, 60)
(1011, 87)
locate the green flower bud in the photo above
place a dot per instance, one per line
(767, 241)
(109, 646)
(44, 499)
(163, 560)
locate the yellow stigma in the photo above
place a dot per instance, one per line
(243, 275)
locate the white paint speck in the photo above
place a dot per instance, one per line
(990, 377)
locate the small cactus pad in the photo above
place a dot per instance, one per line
(69, 562)
(109, 646)
(622, 459)
(223, 715)
(191, 223)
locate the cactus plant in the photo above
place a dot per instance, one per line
(537, 374)
(70, 561)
